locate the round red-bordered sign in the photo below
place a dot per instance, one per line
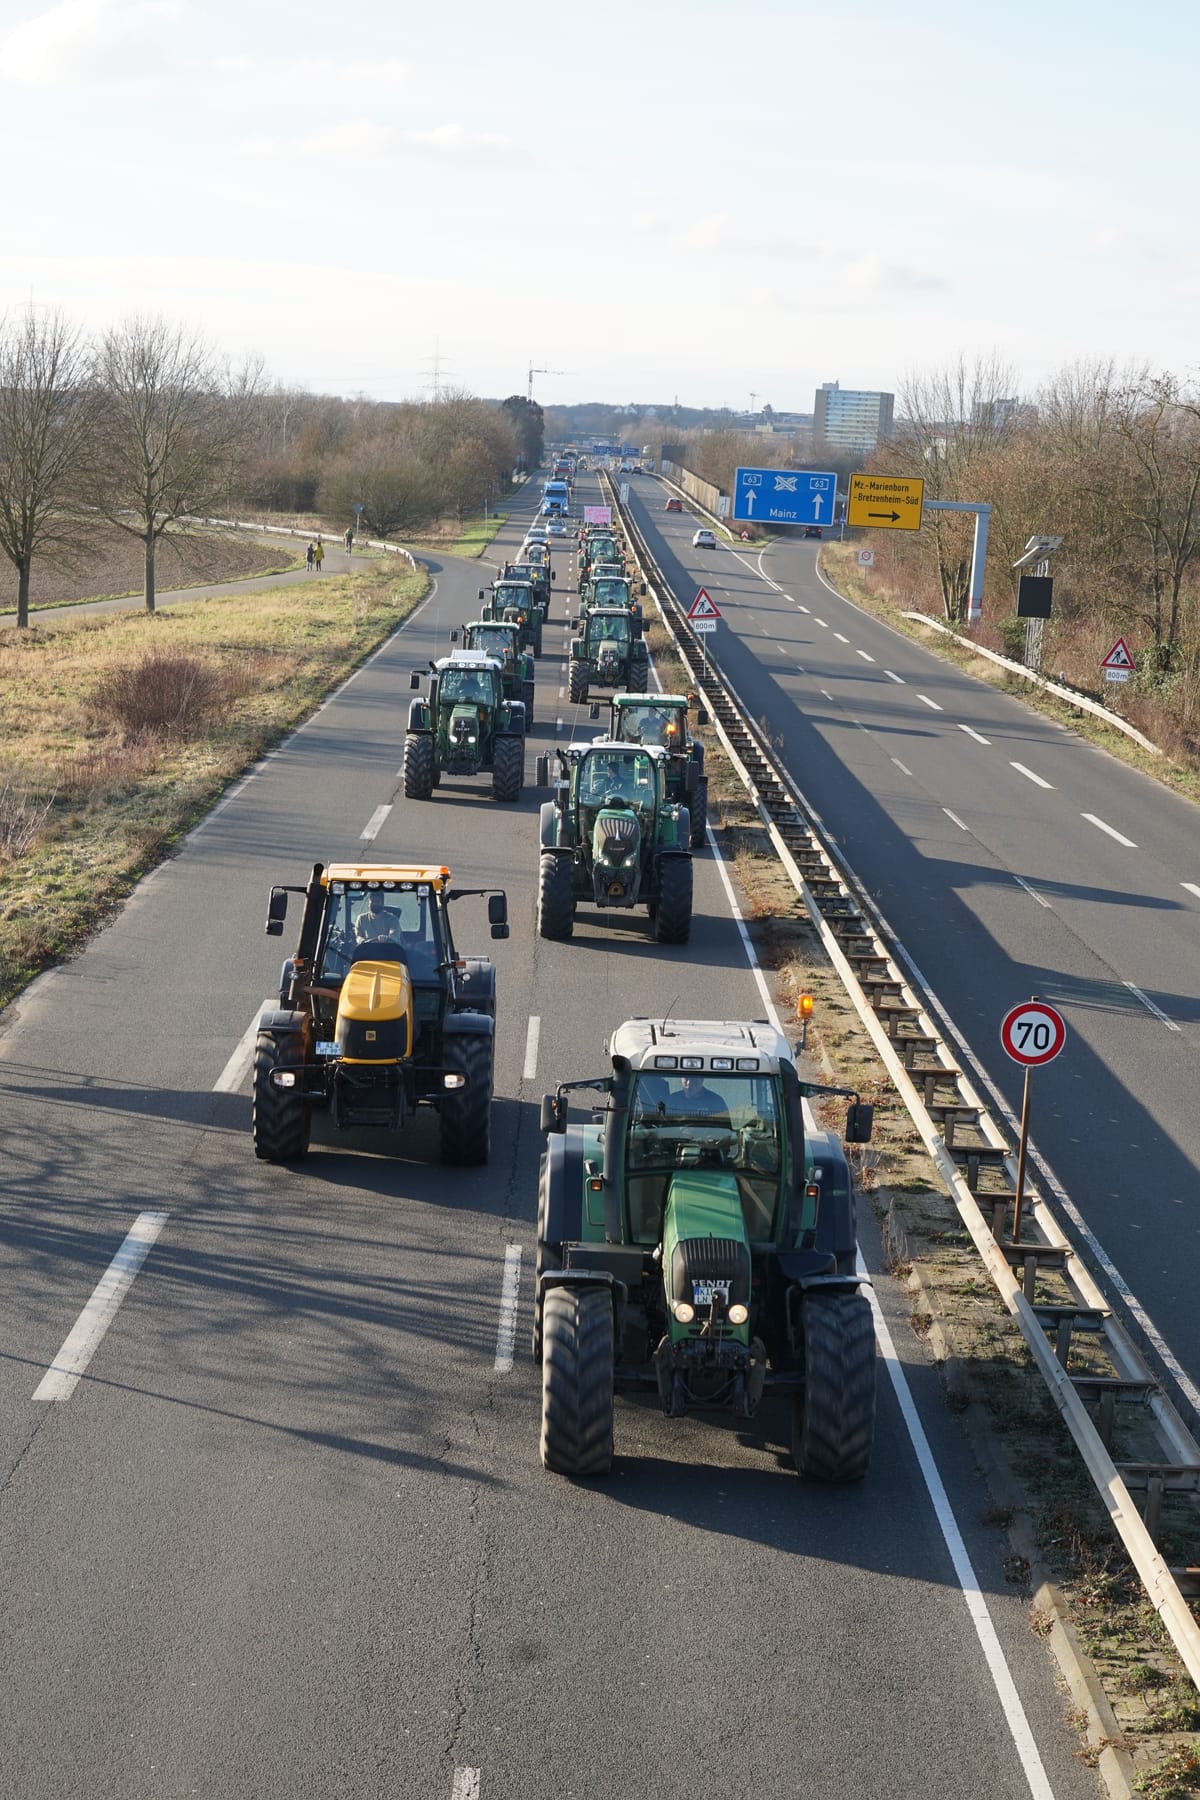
(1033, 1033)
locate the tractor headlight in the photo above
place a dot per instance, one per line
(684, 1311)
(738, 1314)
(283, 1078)
(453, 1082)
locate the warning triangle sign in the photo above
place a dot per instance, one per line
(702, 606)
(1118, 657)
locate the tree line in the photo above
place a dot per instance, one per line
(147, 427)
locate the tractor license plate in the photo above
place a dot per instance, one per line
(327, 1049)
(703, 1292)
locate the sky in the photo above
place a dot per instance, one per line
(647, 201)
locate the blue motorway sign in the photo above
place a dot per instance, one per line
(785, 496)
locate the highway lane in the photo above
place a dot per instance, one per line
(289, 1535)
(985, 833)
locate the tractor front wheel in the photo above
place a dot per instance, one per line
(556, 901)
(418, 766)
(280, 1116)
(673, 920)
(577, 683)
(508, 768)
(639, 677)
(466, 1137)
(833, 1420)
(577, 1381)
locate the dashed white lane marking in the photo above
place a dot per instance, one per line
(926, 701)
(954, 817)
(840, 638)
(820, 622)
(978, 736)
(864, 656)
(234, 1073)
(531, 1048)
(804, 609)
(782, 649)
(1150, 1006)
(1033, 893)
(1030, 776)
(558, 724)
(1192, 888)
(510, 1289)
(1110, 829)
(903, 768)
(898, 679)
(466, 1785)
(789, 597)
(83, 1340)
(371, 828)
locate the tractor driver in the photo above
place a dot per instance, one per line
(692, 1100)
(378, 924)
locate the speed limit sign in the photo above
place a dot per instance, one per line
(1033, 1034)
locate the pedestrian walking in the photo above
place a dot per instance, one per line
(319, 553)
(310, 557)
(349, 541)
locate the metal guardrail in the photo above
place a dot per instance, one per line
(974, 1154)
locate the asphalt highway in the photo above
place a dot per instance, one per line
(1013, 858)
(288, 1534)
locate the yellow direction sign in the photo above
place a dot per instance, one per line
(885, 502)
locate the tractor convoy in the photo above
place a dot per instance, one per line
(696, 1238)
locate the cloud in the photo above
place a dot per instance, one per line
(363, 141)
(454, 143)
(89, 43)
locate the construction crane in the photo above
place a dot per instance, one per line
(533, 372)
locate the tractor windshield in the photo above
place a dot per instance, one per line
(703, 1121)
(494, 643)
(516, 597)
(609, 590)
(612, 630)
(611, 775)
(363, 922)
(653, 725)
(466, 687)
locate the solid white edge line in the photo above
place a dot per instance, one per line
(532, 1035)
(466, 1785)
(1148, 1003)
(993, 1653)
(954, 817)
(84, 1337)
(972, 733)
(233, 1074)
(371, 829)
(1110, 829)
(926, 701)
(1030, 776)
(1033, 893)
(510, 1293)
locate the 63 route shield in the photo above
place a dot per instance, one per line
(1033, 1033)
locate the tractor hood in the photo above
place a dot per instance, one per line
(375, 1013)
(616, 856)
(464, 739)
(706, 1255)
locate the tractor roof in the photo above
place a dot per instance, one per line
(612, 745)
(720, 1046)
(651, 700)
(609, 612)
(467, 659)
(438, 877)
(508, 625)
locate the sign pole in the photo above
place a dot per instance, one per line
(1021, 1160)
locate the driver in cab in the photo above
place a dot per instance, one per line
(692, 1100)
(377, 924)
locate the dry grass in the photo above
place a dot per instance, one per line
(92, 803)
(111, 563)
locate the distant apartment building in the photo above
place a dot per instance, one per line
(997, 415)
(850, 419)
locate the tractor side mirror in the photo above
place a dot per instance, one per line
(414, 680)
(702, 715)
(541, 773)
(641, 587)
(454, 636)
(276, 912)
(498, 909)
(860, 1121)
(483, 593)
(594, 710)
(553, 577)
(554, 1113)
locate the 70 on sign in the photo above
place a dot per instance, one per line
(1032, 1034)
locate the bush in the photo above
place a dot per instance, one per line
(22, 817)
(163, 695)
(1012, 638)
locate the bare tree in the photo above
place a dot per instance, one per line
(173, 430)
(47, 407)
(1158, 500)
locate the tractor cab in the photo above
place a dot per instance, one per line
(662, 720)
(516, 602)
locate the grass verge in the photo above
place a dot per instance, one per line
(470, 539)
(107, 805)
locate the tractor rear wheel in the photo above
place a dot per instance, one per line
(833, 1420)
(577, 1381)
(577, 683)
(527, 688)
(556, 901)
(508, 768)
(280, 1116)
(699, 811)
(673, 920)
(466, 1136)
(639, 677)
(418, 766)
(537, 639)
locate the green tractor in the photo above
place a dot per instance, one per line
(611, 838)
(378, 1014)
(515, 601)
(539, 575)
(606, 589)
(465, 727)
(599, 548)
(608, 651)
(695, 1242)
(501, 640)
(662, 719)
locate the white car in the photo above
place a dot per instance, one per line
(537, 534)
(556, 528)
(705, 539)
